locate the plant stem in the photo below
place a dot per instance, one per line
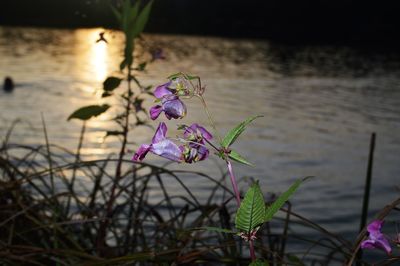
(252, 252)
(77, 158)
(229, 164)
(55, 214)
(367, 188)
(210, 118)
(234, 183)
(108, 213)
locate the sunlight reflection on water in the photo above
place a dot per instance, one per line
(96, 54)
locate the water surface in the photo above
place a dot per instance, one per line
(320, 105)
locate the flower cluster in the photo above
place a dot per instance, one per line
(375, 238)
(195, 148)
(168, 95)
(195, 136)
(160, 145)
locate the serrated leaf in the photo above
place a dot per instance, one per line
(251, 212)
(238, 158)
(234, 133)
(88, 112)
(111, 83)
(259, 262)
(141, 20)
(215, 229)
(280, 201)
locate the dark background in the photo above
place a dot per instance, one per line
(301, 21)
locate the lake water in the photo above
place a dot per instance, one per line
(320, 106)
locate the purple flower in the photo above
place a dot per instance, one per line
(195, 150)
(157, 53)
(197, 133)
(171, 105)
(376, 239)
(160, 145)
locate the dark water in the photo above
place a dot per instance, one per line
(320, 105)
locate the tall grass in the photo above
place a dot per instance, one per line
(52, 203)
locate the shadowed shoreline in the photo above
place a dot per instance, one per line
(298, 22)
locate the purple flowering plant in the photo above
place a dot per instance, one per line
(194, 145)
(375, 238)
(168, 97)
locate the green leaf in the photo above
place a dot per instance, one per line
(238, 158)
(181, 126)
(123, 64)
(141, 20)
(133, 12)
(131, 15)
(176, 75)
(215, 229)
(232, 135)
(111, 83)
(141, 67)
(280, 201)
(251, 212)
(88, 112)
(116, 13)
(128, 14)
(183, 75)
(295, 260)
(259, 262)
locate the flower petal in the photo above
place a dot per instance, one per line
(203, 153)
(162, 90)
(374, 228)
(155, 111)
(368, 244)
(167, 149)
(174, 108)
(195, 129)
(160, 134)
(384, 244)
(141, 152)
(376, 239)
(207, 135)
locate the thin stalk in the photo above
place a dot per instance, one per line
(367, 188)
(108, 213)
(48, 155)
(234, 183)
(285, 230)
(77, 158)
(237, 194)
(252, 252)
(210, 118)
(55, 213)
